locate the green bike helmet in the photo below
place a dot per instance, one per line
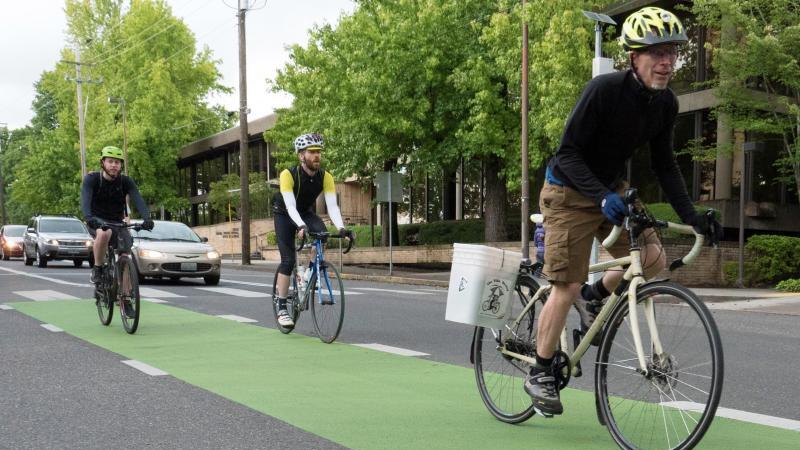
(111, 152)
(652, 26)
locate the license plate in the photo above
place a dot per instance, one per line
(188, 267)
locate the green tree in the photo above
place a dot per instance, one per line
(143, 55)
(225, 193)
(763, 58)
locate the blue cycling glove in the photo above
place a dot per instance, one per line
(614, 208)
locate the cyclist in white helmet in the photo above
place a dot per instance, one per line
(293, 207)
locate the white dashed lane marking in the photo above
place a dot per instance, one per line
(236, 318)
(761, 419)
(390, 349)
(146, 368)
(396, 291)
(6, 307)
(234, 292)
(156, 293)
(52, 328)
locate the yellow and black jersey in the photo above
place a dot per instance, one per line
(304, 187)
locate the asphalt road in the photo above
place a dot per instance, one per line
(61, 391)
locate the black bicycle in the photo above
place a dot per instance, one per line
(321, 293)
(119, 282)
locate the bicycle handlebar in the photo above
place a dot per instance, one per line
(106, 225)
(324, 235)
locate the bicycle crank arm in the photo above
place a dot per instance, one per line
(521, 357)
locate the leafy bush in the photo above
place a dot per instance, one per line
(774, 258)
(790, 285)
(730, 270)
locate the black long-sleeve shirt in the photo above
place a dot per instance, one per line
(614, 116)
(105, 199)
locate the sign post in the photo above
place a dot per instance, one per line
(389, 190)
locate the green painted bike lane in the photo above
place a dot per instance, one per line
(359, 398)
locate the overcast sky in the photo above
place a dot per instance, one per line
(32, 35)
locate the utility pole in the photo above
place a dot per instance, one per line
(79, 80)
(524, 150)
(4, 126)
(244, 141)
(121, 101)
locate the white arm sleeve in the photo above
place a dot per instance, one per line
(291, 208)
(333, 210)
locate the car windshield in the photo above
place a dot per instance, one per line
(14, 231)
(168, 231)
(61, 226)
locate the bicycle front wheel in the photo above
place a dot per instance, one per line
(291, 302)
(128, 294)
(671, 404)
(104, 303)
(500, 377)
(327, 302)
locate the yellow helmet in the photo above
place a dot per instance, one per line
(652, 26)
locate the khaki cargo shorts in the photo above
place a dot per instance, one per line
(571, 222)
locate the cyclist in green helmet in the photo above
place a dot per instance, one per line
(103, 196)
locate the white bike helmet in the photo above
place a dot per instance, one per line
(309, 140)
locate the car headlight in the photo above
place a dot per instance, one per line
(89, 243)
(53, 242)
(212, 255)
(144, 253)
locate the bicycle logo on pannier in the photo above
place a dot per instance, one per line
(494, 293)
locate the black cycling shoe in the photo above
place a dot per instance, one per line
(588, 311)
(542, 387)
(96, 275)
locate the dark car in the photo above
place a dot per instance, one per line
(11, 237)
(57, 238)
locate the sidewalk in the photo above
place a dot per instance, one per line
(428, 277)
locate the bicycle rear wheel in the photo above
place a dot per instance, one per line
(327, 302)
(104, 300)
(671, 405)
(128, 294)
(500, 378)
(291, 302)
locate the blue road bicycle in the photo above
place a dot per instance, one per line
(323, 293)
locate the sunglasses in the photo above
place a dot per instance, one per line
(659, 52)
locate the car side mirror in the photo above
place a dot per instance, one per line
(31, 230)
(203, 239)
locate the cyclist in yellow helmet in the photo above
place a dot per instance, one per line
(616, 114)
(103, 199)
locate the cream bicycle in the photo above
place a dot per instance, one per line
(658, 372)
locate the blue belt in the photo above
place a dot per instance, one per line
(548, 175)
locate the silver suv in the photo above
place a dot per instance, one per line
(56, 238)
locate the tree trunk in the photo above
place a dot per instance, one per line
(495, 204)
(386, 220)
(449, 194)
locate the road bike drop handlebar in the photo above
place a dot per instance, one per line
(323, 236)
(638, 220)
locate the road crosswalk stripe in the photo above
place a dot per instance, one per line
(234, 292)
(45, 295)
(157, 293)
(146, 368)
(390, 349)
(236, 318)
(52, 328)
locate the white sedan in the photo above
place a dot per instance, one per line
(174, 251)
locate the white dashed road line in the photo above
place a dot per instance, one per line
(249, 283)
(6, 307)
(397, 291)
(52, 328)
(146, 368)
(236, 318)
(234, 292)
(154, 300)
(390, 349)
(744, 416)
(156, 293)
(53, 280)
(45, 295)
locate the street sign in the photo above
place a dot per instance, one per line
(384, 192)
